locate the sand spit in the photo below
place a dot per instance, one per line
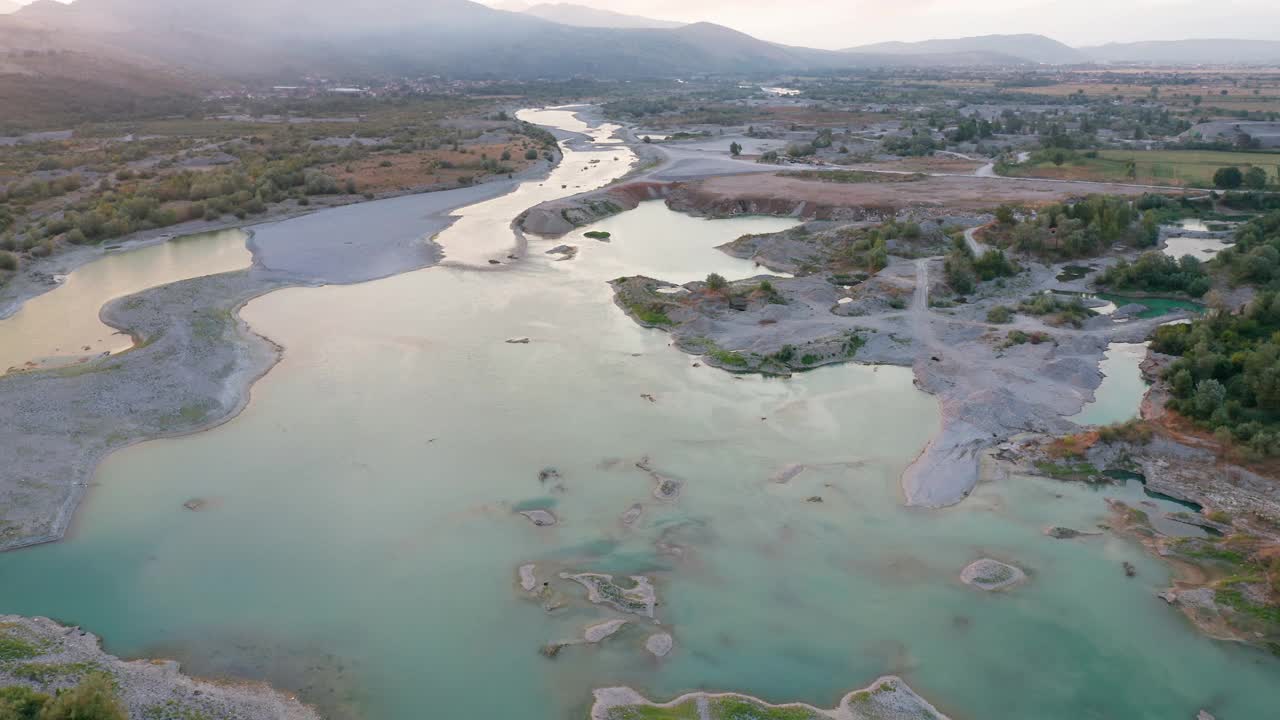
(194, 359)
(147, 687)
(888, 698)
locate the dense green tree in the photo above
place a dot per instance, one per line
(1228, 178)
(1255, 178)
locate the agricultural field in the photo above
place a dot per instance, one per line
(1183, 168)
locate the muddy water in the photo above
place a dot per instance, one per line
(483, 231)
(1202, 249)
(62, 325)
(1119, 397)
(360, 542)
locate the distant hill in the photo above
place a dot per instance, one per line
(1027, 48)
(583, 16)
(246, 39)
(54, 79)
(1189, 52)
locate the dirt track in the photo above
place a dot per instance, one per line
(955, 192)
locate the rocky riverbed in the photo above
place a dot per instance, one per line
(993, 380)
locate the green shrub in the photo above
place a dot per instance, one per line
(8, 261)
(999, 315)
(93, 699)
(21, 703)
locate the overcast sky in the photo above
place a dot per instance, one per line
(843, 23)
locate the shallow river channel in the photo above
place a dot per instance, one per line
(360, 539)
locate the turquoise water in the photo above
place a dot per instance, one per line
(360, 541)
(1155, 306)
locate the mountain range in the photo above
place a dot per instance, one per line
(1027, 48)
(282, 39)
(583, 16)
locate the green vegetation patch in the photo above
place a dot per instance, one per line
(94, 698)
(740, 708)
(687, 710)
(1158, 273)
(728, 357)
(1066, 471)
(1057, 311)
(1145, 167)
(650, 313)
(1082, 229)
(1235, 599)
(1227, 375)
(13, 647)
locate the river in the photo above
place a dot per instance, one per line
(359, 540)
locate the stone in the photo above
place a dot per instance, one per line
(659, 644)
(600, 631)
(518, 341)
(631, 514)
(992, 575)
(551, 650)
(541, 518)
(528, 581)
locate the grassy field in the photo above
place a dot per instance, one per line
(1150, 167)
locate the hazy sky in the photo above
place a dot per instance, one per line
(843, 23)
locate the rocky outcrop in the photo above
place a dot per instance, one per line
(558, 217)
(46, 656)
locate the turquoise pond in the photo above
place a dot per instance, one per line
(360, 540)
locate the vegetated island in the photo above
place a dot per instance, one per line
(888, 698)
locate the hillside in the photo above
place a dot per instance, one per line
(52, 78)
(281, 38)
(1206, 52)
(583, 16)
(1028, 48)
